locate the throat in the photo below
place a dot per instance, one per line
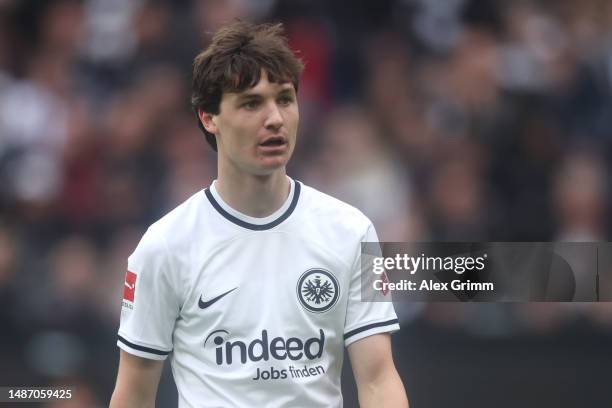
(254, 198)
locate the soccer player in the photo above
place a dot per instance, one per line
(253, 285)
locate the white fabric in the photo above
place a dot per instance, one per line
(195, 254)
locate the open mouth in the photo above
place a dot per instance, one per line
(273, 141)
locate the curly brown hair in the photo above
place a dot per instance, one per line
(233, 63)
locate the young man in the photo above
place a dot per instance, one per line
(253, 286)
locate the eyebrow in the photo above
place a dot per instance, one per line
(243, 97)
(248, 95)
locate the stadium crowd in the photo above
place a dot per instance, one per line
(448, 120)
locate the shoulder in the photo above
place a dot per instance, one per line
(329, 212)
(175, 227)
(182, 215)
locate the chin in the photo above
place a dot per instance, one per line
(273, 162)
(271, 165)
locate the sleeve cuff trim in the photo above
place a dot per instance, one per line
(368, 327)
(142, 348)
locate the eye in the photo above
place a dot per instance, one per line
(250, 105)
(285, 100)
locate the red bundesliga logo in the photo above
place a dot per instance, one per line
(129, 288)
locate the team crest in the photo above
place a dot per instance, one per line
(318, 290)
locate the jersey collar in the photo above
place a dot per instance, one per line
(254, 223)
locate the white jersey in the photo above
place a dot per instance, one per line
(253, 312)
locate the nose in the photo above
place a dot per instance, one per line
(274, 119)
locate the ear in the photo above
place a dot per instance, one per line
(208, 121)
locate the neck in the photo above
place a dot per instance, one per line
(255, 196)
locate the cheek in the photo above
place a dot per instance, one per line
(293, 119)
(237, 138)
(296, 121)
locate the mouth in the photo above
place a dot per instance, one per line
(275, 141)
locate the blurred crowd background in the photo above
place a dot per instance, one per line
(442, 120)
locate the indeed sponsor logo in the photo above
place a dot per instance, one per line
(264, 349)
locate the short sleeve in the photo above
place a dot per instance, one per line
(150, 303)
(367, 313)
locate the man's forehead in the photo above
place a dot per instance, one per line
(263, 86)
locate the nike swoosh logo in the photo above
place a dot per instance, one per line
(204, 304)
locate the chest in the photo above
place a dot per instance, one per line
(275, 282)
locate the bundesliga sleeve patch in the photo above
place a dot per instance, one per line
(129, 287)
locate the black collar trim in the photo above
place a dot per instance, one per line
(256, 227)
